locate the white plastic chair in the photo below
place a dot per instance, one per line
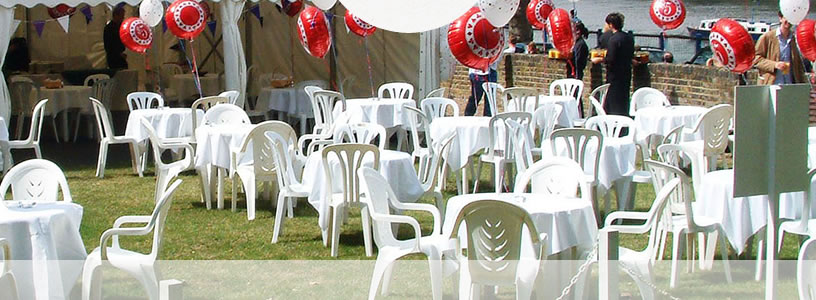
(351, 157)
(381, 199)
(23, 93)
(520, 97)
(141, 266)
(143, 100)
(323, 102)
(597, 98)
(107, 137)
(7, 282)
(544, 120)
(225, 114)
(289, 185)
(102, 90)
(611, 126)
(33, 140)
(713, 125)
(687, 222)
(555, 176)
(523, 139)
(494, 241)
(35, 180)
(501, 154)
(300, 86)
(492, 91)
(571, 88)
(233, 98)
(647, 97)
(437, 107)
(165, 172)
(91, 79)
(204, 104)
(396, 90)
(430, 174)
(418, 122)
(440, 92)
(360, 133)
(805, 268)
(802, 226)
(577, 141)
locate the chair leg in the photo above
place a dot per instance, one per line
(76, 127)
(476, 177)
(205, 186)
(435, 266)
(379, 271)
(337, 221)
(92, 279)
(220, 187)
(367, 232)
(498, 177)
(234, 199)
(724, 253)
(760, 253)
(54, 127)
(37, 151)
(278, 217)
(19, 130)
(386, 280)
(100, 163)
(249, 190)
(675, 257)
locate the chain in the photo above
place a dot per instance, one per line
(581, 270)
(648, 282)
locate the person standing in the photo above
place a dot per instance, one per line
(580, 53)
(114, 49)
(777, 57)
(618, 60)
(477, 79)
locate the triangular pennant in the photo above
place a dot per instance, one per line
(256, 10)
(164, 26)
(14, 26)
(88, 13)
(38, 26)
(64, 21)
(212, 25)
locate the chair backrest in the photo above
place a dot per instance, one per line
(417, 120)
(598, 98)
(232, 96)
(23, 94)
(323, 105)
(437, 107)
(714, 125)
(226, 114)
(577, 142)
(142, 100)
(567, 87)
(360, 133)
(647, 97)
(554, 176)
(806, 270)
(37, 116)
(91, 79)
(396, 90)
(520, 99)
(671, 154)
(102, 90)
(7, 282)
(523, 145)
(440, 92)
(808, 203)
(205, 104)
(494, 231)
(675, 136)
(427, 173)
(544, 119)
(310, 91)
(680, 200)
(263, 138)
(158, 221)
(351, 158)
(35, 180)
(492, 91)
(499, 133)
(611, 126)
(103, 119)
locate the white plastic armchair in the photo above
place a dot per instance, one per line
(494, 241)
(204, 104)
(35, 180)
(92, 79)
(523, 139)
(804, 225)
(141, 266)
(34, 134)
(289, 185)
(360, 133)
(440, 92)
(396, 90)
(107, 137)
(713, 125)
(165, 172)
(612, 126)
(233, 98)
(380, 202)
(492, 91)
(597, 99)
(647, 97)
(429, 175)
(7, 282)
(437, 107)
(577, 142)
(544, 121)
(225, 114)
(805, 268)
(500, 144)
(143, 100)
(555, 176)
(520, 99)
(567, 87)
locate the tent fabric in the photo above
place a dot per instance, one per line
(52, 3)
(6, 22)
(234, 59)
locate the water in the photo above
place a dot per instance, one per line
(593, 13)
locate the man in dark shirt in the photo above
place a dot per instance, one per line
(618, 60)
(114, 49)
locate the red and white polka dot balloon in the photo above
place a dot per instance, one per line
(538, 11)
(314, 31)
(732, 46)
(136, 35)
(473, 41)
(561, 30)
(668, 14)
(358, 26)
(185, 18)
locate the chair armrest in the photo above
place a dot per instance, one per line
(103, 248)
(131, 220)
(542, 245)
(6, 248)
(377, 217)
(302, 141)
(437, 219)
(632, 229)
(625, 215)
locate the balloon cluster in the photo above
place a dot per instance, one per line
(474, 41)
(538, 11)
(136, 35)
(313, 27)
(668, 14)
(732, 45)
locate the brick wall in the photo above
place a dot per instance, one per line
(683, 84)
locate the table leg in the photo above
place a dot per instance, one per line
(205, 185)
(64, 122)
(220, 186)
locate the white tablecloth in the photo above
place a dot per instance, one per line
(283, 100)
(4, 134)
(46, 248)
(185, 87)
(661, 120)
(568, 114)
(472, 136)
(397, 167)
(386, 112)
(70, 96)
(567, 222)
(215, 142)
(167, 122)
(617, 159)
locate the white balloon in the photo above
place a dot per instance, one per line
(324, 4)
(794, 10)
(408, 16)
(498, 12)
(152, 12)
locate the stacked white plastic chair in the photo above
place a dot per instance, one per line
(500, 146)
(107, 137)
(577, 142)
(610, 127)
(323, 102)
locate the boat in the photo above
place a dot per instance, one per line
(755, 28)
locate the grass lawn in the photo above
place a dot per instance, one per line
(195, 233)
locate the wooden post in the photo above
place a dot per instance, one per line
(608, 264)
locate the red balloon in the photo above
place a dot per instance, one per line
(185, 19)
(314, 31)
(136, 35)
(668, 14)
(206, 8)
(732, 45)
(806, 39)
(538, 11)
(473, 41)
(358, 26)
(561, 30)
(291, 7)
(60, 10)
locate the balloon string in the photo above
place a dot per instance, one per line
(292, 49)
(186, 58)
(195, 71)
(370, 71)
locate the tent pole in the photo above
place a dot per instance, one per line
(248, 44)
(333, 57)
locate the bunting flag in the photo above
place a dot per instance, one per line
(212, 25)
(15, 25)
(38, 26)
(256, 10)
(88, 13)
(164, 26)
(64, 21)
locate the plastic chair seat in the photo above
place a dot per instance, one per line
(642, 176)
(123, 259)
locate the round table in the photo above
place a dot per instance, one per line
(661, 120)
(397, 167)
(472, 136)
(617, 160)
(568, 114)
(185, 86)
(47, 252)
(214, 145)
(167, 122)
(387, 112)
(62, 99)
(283, 100)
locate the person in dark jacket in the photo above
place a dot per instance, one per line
(580, 53)
(618, 61)
(114, 49)
(17, 58)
